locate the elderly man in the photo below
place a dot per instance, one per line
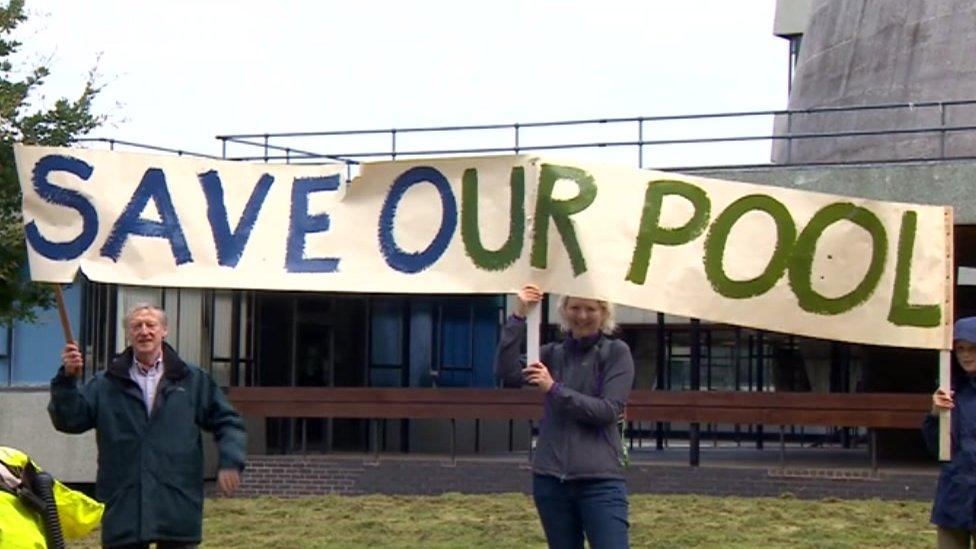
(147, 410)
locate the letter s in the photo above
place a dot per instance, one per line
(52, 194)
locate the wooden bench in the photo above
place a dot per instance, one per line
(873, 410)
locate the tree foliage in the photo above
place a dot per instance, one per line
(23, 122)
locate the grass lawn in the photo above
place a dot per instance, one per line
(509, 520)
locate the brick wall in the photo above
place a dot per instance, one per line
(300, 475)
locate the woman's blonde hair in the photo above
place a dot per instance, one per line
(609, 324)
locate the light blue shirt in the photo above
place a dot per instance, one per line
(147, 380)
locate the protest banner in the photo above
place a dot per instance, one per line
(757, 256)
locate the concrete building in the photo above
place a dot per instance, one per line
(863, 53)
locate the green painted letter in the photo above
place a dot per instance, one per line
(559, 211)
(801, 262)
(651, 233)
(718, 235)
(470, 232)
(902, 313)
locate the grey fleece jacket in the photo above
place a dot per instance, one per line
(578, 437)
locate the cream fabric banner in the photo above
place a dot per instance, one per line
(751, 255)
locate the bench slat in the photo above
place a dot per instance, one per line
(884, 410)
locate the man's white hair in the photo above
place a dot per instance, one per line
(144, 307)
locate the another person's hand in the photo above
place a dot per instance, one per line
(538, 375)
(941, 400)
(529, 295)
(72, 360)
(228, 480)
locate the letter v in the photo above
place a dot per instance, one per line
(230, 245)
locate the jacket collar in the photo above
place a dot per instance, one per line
(173, 366)
(583, 344)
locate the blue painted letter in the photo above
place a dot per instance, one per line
(230, 244)
(63, 251)
(302, 224)
(152, 186)
(406, 262)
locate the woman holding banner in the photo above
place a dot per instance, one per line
(955, 498)
(578, 482)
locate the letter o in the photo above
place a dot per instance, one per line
(395, 256)
(718, 235)
(801, 261)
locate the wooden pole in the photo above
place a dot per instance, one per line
(945, 355)
(945, 416)
(63, 313)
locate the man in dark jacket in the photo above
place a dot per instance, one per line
(147, 410)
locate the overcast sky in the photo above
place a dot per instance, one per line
(179, 72)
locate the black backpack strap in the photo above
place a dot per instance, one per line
(558, 358)
(603, 348)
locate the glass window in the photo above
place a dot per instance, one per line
(386, 319)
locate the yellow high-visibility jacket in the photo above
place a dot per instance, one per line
(22, 527)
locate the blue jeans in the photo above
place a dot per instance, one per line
(571, 508)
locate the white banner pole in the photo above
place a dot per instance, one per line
(532, 321)
(945, 416)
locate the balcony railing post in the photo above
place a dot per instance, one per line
(640, 142)
(942, 132)
(789, 135)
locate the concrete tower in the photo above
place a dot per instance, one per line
(870, 52)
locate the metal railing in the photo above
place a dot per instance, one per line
(639, 134)
(733, 139)
(114, 144)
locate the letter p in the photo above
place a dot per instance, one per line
(651, 232)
